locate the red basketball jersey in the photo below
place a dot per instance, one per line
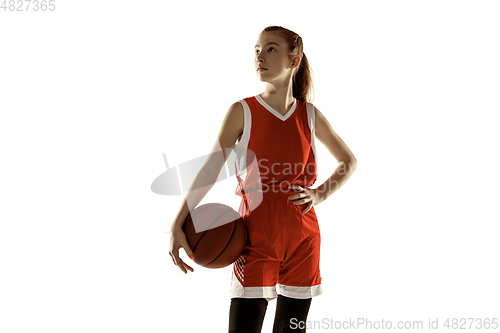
(283, 249)
(275, 149)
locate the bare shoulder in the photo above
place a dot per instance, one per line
(335, 145)
(232, 125)
(236, 113)
(321, 124)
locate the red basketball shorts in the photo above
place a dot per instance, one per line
(283, 250)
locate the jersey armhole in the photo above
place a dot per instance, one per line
(247, 121)
(311, 121)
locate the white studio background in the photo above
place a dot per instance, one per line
(94, 92)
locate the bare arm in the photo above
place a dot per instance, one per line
(231, 128)
(339, 150)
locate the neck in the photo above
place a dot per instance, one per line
(279, 95)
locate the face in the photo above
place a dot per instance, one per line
(272, 53)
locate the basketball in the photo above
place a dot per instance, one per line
(216, 234)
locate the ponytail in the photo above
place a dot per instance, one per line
(302, 80)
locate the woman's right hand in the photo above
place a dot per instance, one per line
(178, 240)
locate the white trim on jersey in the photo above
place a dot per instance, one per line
(300, 292)
(237, 290)
(276, 113)
(311, 118)
(242, 146)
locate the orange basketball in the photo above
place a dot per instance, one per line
(216, 234)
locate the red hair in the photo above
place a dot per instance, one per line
(302, 81)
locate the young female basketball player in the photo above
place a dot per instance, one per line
(279, 126)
